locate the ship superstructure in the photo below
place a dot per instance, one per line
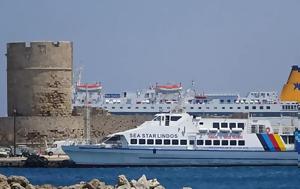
(164, 98)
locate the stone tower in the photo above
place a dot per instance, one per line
(39, 78)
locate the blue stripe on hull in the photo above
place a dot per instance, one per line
(269, 142)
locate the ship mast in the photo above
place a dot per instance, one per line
(87, 120)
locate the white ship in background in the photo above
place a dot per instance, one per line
(163, 98)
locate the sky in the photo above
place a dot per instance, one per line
(230, 46)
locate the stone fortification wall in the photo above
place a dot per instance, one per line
(39, 78)
(38, 129)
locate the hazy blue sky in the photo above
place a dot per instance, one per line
(224, 46)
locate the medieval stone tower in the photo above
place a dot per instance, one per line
(39, 78)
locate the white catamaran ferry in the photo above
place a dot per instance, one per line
(179, 139)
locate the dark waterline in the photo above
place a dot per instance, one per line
(170, 177)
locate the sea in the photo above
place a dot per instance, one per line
(171, 177)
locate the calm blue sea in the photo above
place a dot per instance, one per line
(171, 178)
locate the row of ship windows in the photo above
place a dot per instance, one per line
(225, 125)
(223, 108)
(191, 142)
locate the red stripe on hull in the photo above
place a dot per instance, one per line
(274, 142)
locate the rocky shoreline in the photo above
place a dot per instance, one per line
(20, 182)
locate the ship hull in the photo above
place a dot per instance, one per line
(94, 155)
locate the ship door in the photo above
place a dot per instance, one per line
(191, 142)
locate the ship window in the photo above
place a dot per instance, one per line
(200, 123)
(283, 107)
(142, 141)
(261, 129)
(191, 108)
(246, 107)
(216, 125)
(284, 138)
(136, 107)
(241, 143)
(121, 107)
(232, 125)
(241, 125)
(113, 107)
(158, 141)
(228, 101)
(253, 128)
(150, 141)
(223, 108)
(216, 142)
(167, 142)
(168, 107)
(174, 142)
(253, 107)
(222, 101)
(145, 107)
(268, 107)
(152, 107)
(128, 107)
(261, 107)
(224, 125)
(183, 142)
(238, 108)
(233, 143)
(291, 140)
(231, 108)
(157, 118)
(199, 108)
(133, 141)
(105, 107)
(175, 118)
(207, 142)
(199, 142)
(207, 107)
(215, 108)
(224, 142)
(192, 142)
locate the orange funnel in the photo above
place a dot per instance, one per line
(291, 90)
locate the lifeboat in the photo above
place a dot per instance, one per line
(169, 88)
(89, 87)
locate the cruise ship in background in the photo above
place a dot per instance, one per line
(164, 98)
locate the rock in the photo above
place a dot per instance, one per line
(18, 179)
(97, 184)
(124, 187)
(137, 185)
(122, 180)
(153, 183)
(159, 187)
(3, 178)
(143, 181)
(46, 186)
(15, 185)
(4, 185)
(30, 186)
(108, 187)
(88, 186)
(75, 186)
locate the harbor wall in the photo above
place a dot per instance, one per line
(35, 130)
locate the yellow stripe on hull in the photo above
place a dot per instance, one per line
(280, 142)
